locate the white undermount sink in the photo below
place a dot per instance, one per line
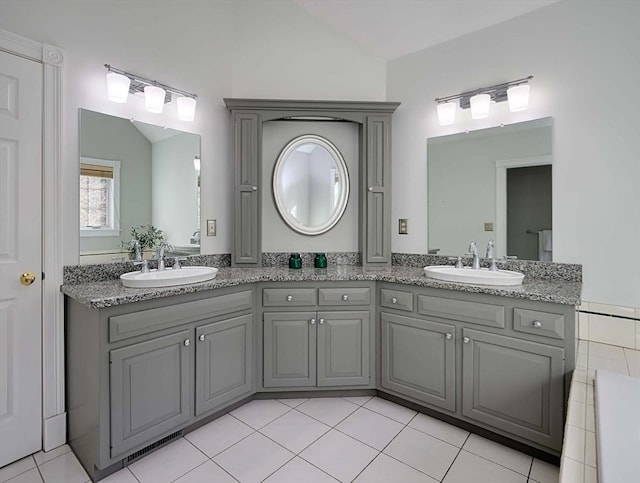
(482, 276)
(168, 277)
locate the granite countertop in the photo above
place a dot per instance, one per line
(111, 293)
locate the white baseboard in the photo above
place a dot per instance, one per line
(54, 433)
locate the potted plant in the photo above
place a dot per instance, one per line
(148, 236)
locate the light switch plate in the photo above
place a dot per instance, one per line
(488, 227)
(403, 228)
(211, 227)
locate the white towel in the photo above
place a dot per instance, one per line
(545, 245)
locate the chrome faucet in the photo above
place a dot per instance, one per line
(160, 253)
(135, 244)
(490, 246)
(473, 250)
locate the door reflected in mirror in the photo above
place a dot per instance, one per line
(134, 174)
(311, 184)
(492, 184)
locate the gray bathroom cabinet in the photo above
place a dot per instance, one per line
(140, 372)
(498, 363)
(374, 152)
(317, 336)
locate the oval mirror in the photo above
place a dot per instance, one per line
(311, 184)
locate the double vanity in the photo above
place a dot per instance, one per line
(145, 365)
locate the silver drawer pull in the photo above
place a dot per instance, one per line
(345, 297)
(187, 343)
(254, 188)
(312, 321)
(201, 338)
(394, 300)
(449, 336)
(289, 298)
(537, 324)
(321, 321)
(370, 188)
(466, 340)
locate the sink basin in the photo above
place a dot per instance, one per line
(168, 277)
(482, 276)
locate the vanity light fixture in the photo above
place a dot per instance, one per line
(120, 83)
(479, 100)
(196, 163)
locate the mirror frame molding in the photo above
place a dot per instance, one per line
(335, 217)
(374, 161)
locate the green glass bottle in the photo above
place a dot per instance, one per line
(295, 261)
(320, 261)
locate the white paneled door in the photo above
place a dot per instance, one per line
(20, 257)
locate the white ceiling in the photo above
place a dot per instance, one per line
(153, 133)
(394, 28)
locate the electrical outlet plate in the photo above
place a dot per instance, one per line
(403, 228)
(211, 227)
(488, 227)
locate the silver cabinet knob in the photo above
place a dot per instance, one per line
(201, 338)
(321, 321)
(537, 324)
(466, 340)
(449, 336)
(289, 298)
(312, 321)
(254, 188)
(187, 343)
(370, 188)
(345, 297)
(394, 300)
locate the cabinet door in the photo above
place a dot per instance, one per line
(343, 348)
(246, 250)
(514, 385)
(418, 359)
(150, 390)
(223, 362)
(289, 349)
(377, 204)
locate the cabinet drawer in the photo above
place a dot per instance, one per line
(396, 299)
(474, 312)
(344, 296)
(295, 297)
(538, 323)
(138, 323)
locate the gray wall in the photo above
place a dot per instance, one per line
(112, 138)
(276, 235)
(174, 187)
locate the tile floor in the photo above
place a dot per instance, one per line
(359, 439)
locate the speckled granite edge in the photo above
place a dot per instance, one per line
(111, 293)
(77, 274)
(281, 259)
(541, 270)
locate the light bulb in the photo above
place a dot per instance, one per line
(518, 97)
(447, 113)
(154, 99)
(480, 106)
(117, 87)
(186, 108)
(196, 163)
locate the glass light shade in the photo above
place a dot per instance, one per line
(186, 108)
(117, 87)
(447, 113)
(154, 99)
(518, 97)
(196, 163)
(480, 106)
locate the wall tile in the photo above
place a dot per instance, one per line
(583, 326)
(612, 309)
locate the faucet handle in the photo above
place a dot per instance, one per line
(145, 265)
(458, 261)
(176, 262)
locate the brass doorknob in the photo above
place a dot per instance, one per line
(27, 278)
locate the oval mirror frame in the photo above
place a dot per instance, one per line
(341, 202)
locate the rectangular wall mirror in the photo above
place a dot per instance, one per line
(492, 184)
(135, 174)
